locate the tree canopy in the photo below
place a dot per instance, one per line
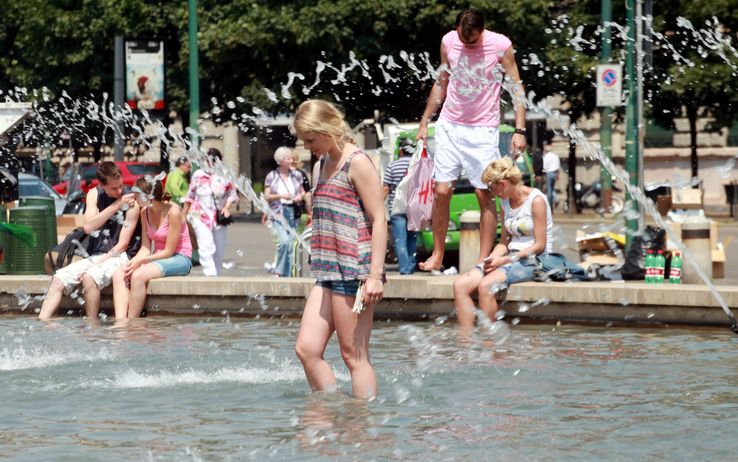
(366, 55)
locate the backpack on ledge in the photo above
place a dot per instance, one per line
(67, 251)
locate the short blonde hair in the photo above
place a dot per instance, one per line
(502, 169)
(318, 116)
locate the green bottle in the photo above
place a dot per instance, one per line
(659, 267)
(649, 266)
(675, 273)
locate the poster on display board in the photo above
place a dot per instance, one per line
(145, 83)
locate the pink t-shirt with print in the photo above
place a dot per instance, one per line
(475, 83)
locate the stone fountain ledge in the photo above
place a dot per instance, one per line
(412, 298)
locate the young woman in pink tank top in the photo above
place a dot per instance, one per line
(166, 249)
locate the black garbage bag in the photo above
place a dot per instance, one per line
(648, 238)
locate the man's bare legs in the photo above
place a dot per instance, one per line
(439, 223)
(487, 222)
(92, 296)
(53, 299)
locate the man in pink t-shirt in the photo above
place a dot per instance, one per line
(473, 61)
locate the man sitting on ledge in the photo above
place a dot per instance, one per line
(113, 239)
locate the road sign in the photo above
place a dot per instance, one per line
(609, 85)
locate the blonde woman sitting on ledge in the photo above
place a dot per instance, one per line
(526, 234)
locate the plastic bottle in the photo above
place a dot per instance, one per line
(675, 273)
(660, 268)
(649, 266)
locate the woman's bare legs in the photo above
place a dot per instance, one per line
(487, 300)
(353, 331)
(464, 286)
(139, 281)
(316, 328)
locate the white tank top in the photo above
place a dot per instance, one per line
(519, 223)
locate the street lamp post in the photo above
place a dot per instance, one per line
(193, 72)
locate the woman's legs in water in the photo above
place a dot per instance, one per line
(487, 300)
(353, 331)
(139, 281)
(464, 286)
(316, 328)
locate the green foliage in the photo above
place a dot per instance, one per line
(249, 46)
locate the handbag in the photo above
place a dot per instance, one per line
(220, 219)
(402, 192)
(420, 201)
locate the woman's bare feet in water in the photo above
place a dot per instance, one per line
(434, 262)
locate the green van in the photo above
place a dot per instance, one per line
(464, 197)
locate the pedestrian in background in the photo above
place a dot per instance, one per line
(348, 247)
(209, 194)
(405, 241)
(284, 191)
(178, 180)
(551, 166)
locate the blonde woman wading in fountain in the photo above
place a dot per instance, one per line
(347, 248)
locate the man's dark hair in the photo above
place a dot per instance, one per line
(107, 171)
(470, 21)
(181, 161)
(214, 152)
(406, 147)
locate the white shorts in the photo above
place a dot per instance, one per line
(101, 273)
(464, 147)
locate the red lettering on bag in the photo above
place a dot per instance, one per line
(425, 192)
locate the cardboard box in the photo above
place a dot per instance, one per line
(677, 227)
(686, 199)
(65, 224)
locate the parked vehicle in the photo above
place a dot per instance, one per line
(464, 198)
(31, 185)
(130, 172)
(590, 197)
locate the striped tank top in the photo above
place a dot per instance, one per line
(342, 240)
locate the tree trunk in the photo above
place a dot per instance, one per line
(692, 116)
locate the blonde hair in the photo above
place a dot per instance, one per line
(502, 169)
(318, 116)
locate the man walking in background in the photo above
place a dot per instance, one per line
(405, 241)
(469, 87)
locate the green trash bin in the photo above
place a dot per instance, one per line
(47, 202)
(20, 257)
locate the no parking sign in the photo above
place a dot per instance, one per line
(609, 85)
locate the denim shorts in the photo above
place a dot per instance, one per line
(176, 265)
(518, 271)
(349, 288)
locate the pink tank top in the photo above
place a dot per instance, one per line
(158, 237)
(473, 96)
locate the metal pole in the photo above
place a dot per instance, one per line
(606, 111)
(641, 122)
(631, 116)
(193, 71)
(119, 94)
